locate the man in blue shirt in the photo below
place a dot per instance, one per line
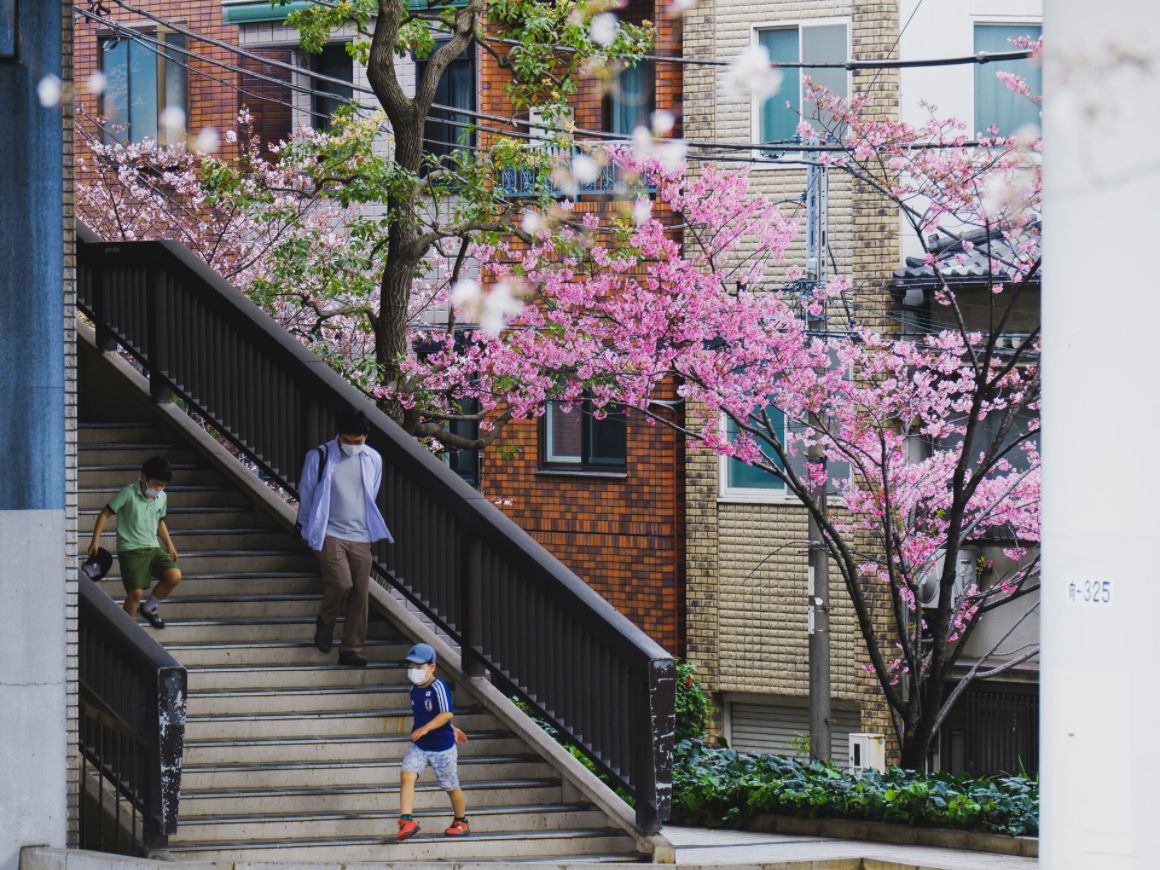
(339, 519)
(433, 740)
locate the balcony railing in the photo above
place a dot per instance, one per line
(537, 179)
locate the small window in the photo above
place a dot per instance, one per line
(143, 80)
(821, 43)
(631, 101)
(271, 103)
(447, 130)
(337, 64)
(577, 438)
(996, 105)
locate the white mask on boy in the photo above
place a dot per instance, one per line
(351, 449)
(418, 676)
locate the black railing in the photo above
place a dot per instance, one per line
(516, 611)
(132, 730)
(535, 179)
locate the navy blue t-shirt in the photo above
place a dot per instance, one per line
(427, 702)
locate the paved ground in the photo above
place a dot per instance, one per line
(710, 847)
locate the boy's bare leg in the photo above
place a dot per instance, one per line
(133, 601)
(168, 582)
(407, 792)
(458, 803)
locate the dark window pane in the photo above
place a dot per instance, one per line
(779, 123)
(447, 129)
(114, 59)
(335, 63)
(271, 103)
(632, 100)
(142, 92)
(175, 76)
(744, 476)
(607, 438)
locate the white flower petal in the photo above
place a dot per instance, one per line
(97, 82)
(531, 223)
(207, 141)
(602, 28)
(465, 292)
(172, 121)
(642, 210)
(585, 169)
(663, 122)
(752, 72)
(48, 91)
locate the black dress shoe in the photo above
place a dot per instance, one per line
(152, 617)
(351, 660)
(323, 635)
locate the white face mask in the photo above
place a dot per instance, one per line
(351, 449)
(150, 492)
(418, 676)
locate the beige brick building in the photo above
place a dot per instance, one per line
(747, 562)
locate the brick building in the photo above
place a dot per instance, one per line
(606, 497)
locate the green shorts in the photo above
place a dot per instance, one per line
(139, 568)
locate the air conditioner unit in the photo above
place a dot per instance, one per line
(867, 752)
(928, 583)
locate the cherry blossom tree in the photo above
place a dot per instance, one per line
(937, 427)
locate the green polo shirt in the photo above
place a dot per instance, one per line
(137, 518)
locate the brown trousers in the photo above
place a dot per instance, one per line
(346, 574)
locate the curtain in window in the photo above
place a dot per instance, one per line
(995, 103)
(631, 102)
(446, 129)
(176, 75)
(825, 44)
(744, 476)
(115, 99)
(778, 124)
(336, 63)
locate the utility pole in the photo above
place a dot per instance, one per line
(818, 606)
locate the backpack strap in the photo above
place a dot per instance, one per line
(323, 455)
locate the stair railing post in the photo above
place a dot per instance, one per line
(472, 598)
(653, 728)
(158, 347)
(106, 340)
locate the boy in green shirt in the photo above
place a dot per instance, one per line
(140, 508)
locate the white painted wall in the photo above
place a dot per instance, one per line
(946, 28)
(1100, 662)
(33, 726)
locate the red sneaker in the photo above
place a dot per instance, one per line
(457, 829)
(407, 828)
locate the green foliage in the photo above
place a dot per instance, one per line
(693, 709)
(727, 788)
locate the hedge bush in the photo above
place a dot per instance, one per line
(724, 787)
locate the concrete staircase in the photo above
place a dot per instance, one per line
(289, 757)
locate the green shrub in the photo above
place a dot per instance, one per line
(727, 788)
(693, 710)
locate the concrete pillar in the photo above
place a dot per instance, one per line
(1101, 412)
(33, 712)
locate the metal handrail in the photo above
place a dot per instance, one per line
(132, 730)
(516, 611)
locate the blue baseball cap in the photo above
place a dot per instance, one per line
(420, 654)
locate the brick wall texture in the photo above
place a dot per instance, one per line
(747, 566)
(624, 535)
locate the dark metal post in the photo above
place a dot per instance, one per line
(472, 636)
(106, 341)
(158, 347)
(654, 755)
(819, 628)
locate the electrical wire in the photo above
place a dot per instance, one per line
(597, 135)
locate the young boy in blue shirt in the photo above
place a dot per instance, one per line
(433, 741)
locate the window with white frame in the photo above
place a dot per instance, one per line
(996, 105)
(822, 42)
(143, 80)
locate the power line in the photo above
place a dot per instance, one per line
(599, 135)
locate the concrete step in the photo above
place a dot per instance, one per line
(179, 518)
(184, 474)
(378, 798)
(300, 699)
(291, 628)
(324, 673)
(233, 561)
(193, 606)
(381, 772)
(484, 820)
(276, 652)
(196, 540)
(144, 432)
(346, 748)
(422, 847)
(209, 584)
(91, 496)
(129, 453)
(334, 723)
